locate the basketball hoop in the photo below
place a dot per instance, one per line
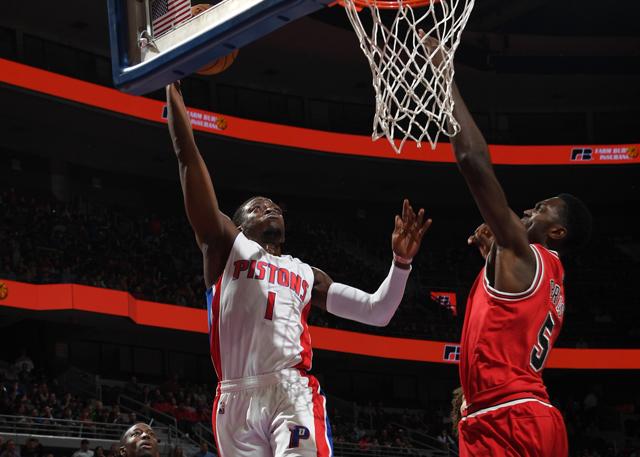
(412, 73)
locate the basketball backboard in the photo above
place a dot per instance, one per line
(155, 42)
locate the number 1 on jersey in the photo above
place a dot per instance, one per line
(271, 301)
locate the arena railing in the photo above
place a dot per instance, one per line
(356, 450)
(205, 433)
(65, 433)
(44, 426)
(152, 415)
(129, 404)
(423, 440)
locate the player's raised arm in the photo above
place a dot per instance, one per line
(517, 265)
(214, 231)
(472, 155)
(377, 308)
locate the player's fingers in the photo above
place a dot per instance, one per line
(405, 211)
(424, 228)
(398, 223)
(412, 214)
(420, 220)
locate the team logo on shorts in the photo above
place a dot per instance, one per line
(221, 407)
(298, 432)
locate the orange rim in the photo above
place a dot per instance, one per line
(387, 4)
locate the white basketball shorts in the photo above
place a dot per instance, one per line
(272, 415)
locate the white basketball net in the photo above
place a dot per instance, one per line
(413, 93)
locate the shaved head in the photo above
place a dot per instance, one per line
(139, 441)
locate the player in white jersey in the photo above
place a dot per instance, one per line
(267, 404)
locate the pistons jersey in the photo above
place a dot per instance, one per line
(507, 337)
(258, 313)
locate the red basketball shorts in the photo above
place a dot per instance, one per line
(520, 428)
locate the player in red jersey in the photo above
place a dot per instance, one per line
(514, 311)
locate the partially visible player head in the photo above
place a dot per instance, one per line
(261, 220)
(139, 441)
(562, 223)
(457, 401)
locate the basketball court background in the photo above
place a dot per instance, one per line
(533, 73)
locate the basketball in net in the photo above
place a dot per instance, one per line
(410, 45)
(221, 63)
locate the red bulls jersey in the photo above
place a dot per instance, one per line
(507, 337)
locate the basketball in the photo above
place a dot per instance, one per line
(221, 63)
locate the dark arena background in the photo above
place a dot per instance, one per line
(102, 319)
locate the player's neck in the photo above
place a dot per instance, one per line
(272, 248)
(272, 240)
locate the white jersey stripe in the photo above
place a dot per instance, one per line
(505, 405)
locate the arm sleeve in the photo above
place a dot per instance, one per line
(373, 309)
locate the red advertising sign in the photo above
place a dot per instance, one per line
(55, 297)
(85, 93)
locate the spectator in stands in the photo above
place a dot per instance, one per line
(87, 424)
(446, 441)
(177, 452)
(172, 385)
(98, 412)
(113, 450)
(132, 388)
(84, 450)
(139, 441)
(115, 416)
(32, 448)
(204, 450)
(11, 450)
(98, 452)
(24, 362)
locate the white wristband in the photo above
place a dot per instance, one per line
(404, 260)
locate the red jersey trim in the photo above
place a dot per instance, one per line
(214, 333)
(533, 288)
(306, 355)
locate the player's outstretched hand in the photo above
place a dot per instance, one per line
(432, 46)
(482, 238)
(408, 232)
